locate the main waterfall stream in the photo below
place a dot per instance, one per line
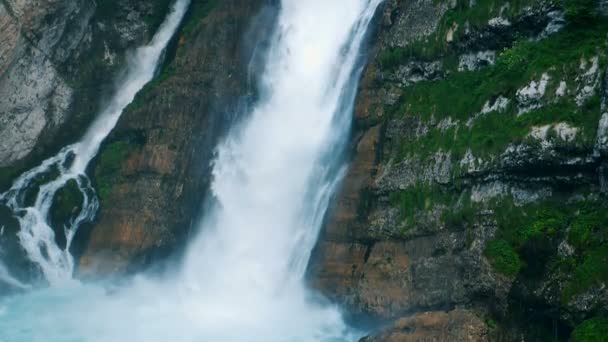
(242, 277)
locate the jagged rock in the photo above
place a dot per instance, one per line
(588, 81)
(530, 96)
(601, 143)
(475, 61)
(557, 23)
(415, 71)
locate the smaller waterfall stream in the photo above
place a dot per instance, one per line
(36, 234)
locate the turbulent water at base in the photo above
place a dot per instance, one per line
(36, 234)
(242, 278)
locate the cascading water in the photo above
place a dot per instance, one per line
(242, 277)
(36, 235)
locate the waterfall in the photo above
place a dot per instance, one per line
(242, 278)
(36, 235)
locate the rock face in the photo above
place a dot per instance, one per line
(57, 60)
(473, 206)
(157, 161)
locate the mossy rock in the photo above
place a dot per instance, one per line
(503, 257)
(591, 330)
(67, 204)
(109, 164)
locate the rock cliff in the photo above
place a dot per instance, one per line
(58, 60)
(474, 208)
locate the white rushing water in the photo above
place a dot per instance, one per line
(36, 235)
(242, 278)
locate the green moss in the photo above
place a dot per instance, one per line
(591, 330)
(520, 224)
(109, 164)
(67, 202)
(503, 257)
(461, 95)
(581, 12)
(589, 224)
(142, 98)
(418, 199)
(591, 271)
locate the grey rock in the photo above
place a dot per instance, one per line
(43, 48)
(414, 20)
(416, 71)
(476, 60)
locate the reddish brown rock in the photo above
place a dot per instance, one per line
(437, 326)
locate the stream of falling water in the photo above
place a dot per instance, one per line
(242, 278)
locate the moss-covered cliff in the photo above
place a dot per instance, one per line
(477, 187)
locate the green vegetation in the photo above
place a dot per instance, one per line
(503, 257)
(591, 330)
(418, 199)
(109, 164)
(463, 94)
(519, 226)
(591, 269)
(68, 201)
(585, 224)
(588, 234)
(581, 12)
